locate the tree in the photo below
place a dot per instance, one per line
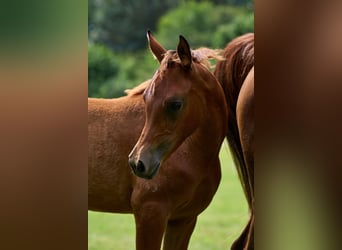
(101, 67)
(240, 25)
(124, 23)
(199, 22)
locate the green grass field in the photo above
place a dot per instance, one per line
(216, 227)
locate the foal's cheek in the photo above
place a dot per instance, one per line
(195, 119)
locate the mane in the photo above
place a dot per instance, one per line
(138, 90)
(239, 59)
(202, 56)
(231, 73)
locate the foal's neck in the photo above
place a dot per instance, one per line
(210, 134)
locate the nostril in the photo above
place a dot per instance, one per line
(132, 164)
(140, 166)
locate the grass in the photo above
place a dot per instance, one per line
(216, 227)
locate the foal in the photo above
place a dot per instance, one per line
(186, 122)
(114, 125)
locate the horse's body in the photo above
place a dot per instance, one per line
(110, 139)
(188, 173)
(245, 122)
(236, 75)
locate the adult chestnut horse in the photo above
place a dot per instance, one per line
(236, 75)
(186, 122)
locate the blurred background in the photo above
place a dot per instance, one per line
(118, 55)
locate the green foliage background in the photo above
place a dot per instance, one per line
(117, 49)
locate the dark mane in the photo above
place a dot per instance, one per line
(239, 59)
(231, 73)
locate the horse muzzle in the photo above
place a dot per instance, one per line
(144, 168)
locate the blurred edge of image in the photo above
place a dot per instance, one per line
(43, 77)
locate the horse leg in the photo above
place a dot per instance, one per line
(178, 233)
(150, 221)
(250, 237)
(240, 243)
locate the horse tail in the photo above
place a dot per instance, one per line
(231, 73)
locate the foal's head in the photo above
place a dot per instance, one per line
(175, 106)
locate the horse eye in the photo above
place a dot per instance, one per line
(174, 106)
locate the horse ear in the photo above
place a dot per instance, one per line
(184, 52)
(157, 50)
